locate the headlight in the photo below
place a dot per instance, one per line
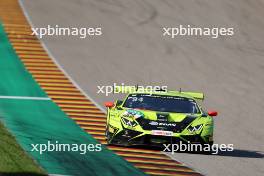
(129, 116)
(195, 128)
(133, 113)
(128, 122)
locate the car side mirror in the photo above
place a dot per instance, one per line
(109, 104)
(212, 113)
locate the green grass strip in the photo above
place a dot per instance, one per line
(14, 160)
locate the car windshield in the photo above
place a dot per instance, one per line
(162, 103)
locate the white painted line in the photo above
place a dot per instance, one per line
(24, 98)
(55, 61)
(57, 175)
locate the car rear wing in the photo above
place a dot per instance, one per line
(196, 95)
(141, 89)
(133, 89)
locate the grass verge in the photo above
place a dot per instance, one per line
(14, 161)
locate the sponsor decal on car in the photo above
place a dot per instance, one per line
(161, 133)
(155, 123)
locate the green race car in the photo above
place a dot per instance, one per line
(156, 118)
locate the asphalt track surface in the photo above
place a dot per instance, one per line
(132, 50)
